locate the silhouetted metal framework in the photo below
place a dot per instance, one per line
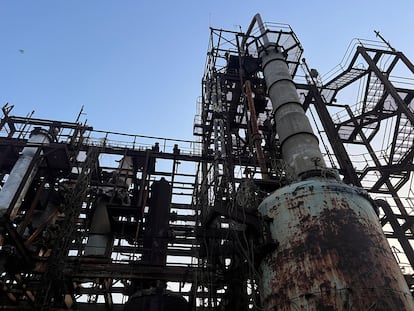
(371, 134)
(235, 126)
(362, 112)
(103, 218)
(50, 258)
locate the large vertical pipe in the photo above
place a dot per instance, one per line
(331, 253)
(300, 147)
(22, 174)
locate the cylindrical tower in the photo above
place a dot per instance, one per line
(299, 144)
(331, 252)
(100, 233)
(22, 174)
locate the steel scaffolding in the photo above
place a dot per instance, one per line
(103, 221)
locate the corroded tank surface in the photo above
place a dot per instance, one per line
(331, 253)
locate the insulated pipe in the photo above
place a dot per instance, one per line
(330, 251)
(256, 19)
(300, 147)
(21, 176)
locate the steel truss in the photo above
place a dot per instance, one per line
(371, 136)
(204, 242)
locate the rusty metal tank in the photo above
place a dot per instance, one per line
(331, 252)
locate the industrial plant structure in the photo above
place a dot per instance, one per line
(293, 196)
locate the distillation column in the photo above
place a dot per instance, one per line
(24, 170)
(331, 253)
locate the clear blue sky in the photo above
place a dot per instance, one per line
(137, 65)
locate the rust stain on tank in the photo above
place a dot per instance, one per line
(332, 254)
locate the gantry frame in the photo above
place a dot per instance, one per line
(215, 236)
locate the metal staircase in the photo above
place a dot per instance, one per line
(404, 140)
